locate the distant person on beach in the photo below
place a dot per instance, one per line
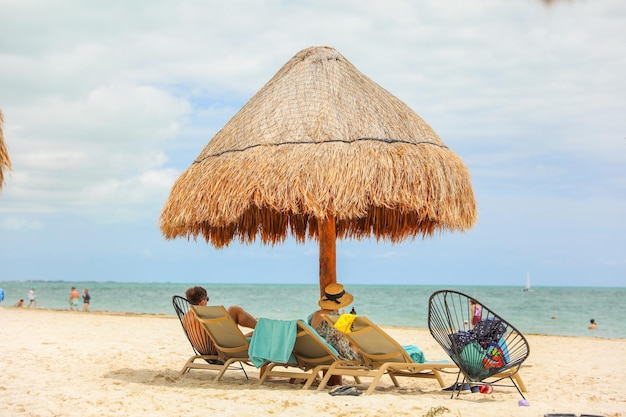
(592, 324)
(86, 299)
(32, 298)
(74, 296)
(19, 303)
(334, 298)
(476, 312)
(198, 296)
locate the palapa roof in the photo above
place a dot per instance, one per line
(5, 162)
(320, 138)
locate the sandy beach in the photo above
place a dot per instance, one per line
(61, 363)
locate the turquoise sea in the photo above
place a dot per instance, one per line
(543, 310)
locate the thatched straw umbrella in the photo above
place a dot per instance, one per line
(321, 152)
(5, 162)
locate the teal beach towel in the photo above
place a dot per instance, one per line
(273, 341)
(415, 353)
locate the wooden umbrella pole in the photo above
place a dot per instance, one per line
(328, 252)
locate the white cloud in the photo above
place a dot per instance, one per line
(16, 223)
(391, 255)
(108, 143)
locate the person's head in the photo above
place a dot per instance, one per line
(335, 297)
(197, 296)
(592, 321)
(85, 290)
(73, 288)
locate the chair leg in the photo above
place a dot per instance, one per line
(518, 379)
(324, 380)
(311, 379)
(517, 387)
(187, 366)
(438, 377)
(244, 370)
(374, 383)
(457, 386)
(379, 373)
(223, 369)
(269, 368)
(329, 373)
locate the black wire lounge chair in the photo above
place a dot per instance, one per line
(486, 348)
(206, 355)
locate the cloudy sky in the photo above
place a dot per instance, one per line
(106, 103)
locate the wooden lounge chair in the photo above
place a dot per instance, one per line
(487, 350)
(382, 355)
(206, 355)
(230, 343)
(310, 356)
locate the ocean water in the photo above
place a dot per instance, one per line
(544, 310)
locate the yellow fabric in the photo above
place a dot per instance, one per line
(344, 323)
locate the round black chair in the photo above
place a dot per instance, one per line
(486, 348)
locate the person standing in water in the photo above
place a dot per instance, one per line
(32, 298)
(86, 299)
(592, 324)
(74, 296)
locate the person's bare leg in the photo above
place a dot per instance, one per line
(242, 317)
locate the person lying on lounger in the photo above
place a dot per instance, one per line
(199, 337)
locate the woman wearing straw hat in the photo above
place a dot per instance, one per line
(334, 298)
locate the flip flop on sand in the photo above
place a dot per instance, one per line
(345, 390)
(463, 388)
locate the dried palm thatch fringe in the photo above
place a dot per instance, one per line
(320, 139)
(5, 162)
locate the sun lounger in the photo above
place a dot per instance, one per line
(230, 343)
(310, 355)
(206, 355)
(382, 355)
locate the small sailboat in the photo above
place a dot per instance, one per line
(527, 286)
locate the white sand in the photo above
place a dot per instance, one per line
(57, 363)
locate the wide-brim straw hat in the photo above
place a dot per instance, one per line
(335, 297)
